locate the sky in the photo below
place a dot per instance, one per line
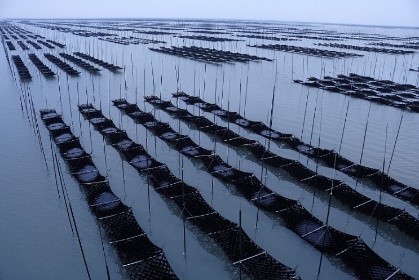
(366, 12)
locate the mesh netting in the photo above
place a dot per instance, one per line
(344, 193)
(298, 219)
(121, 226)
(330, 158)
(118, 223)
(61, 64)
(322, 183)
(231, 238)
(193, 205)
(208, 54)
(371, 266)
(264, 267)
(222, 170)
(212, 223)
(235, 244)
(299, 171)
(395, 188)
(407, 223)
(154, 268)
(135, 249)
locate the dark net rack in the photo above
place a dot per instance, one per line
(35, 45)
(45, 70)
(10, 46)
(240, 249)
(304, 50)
(141, 258)
(102, 63)
(325, 238)
(365, 48)
(330, 158)
(23, 46)
(61, 64)
(21, 67)
(83, 64)
(208, 55)
(46, 44)
(347, 195)
(56, 43)
(382, 92)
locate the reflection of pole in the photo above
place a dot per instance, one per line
(247, 87)
(240, 90)
(292, 66)
(318, 150)
(161, 79)
(273, 102)
(104, 255)
(148, 194)
(365, 134)
(343, 131)
(395, 142)
(324, 236)
(314, 118)
(152, 76)
(194, 81)
(205, 80)
(144, 86)
(382, 181)
(305, 113)
(70, 208)
(240, 244)
(257, 217)
(184, 218)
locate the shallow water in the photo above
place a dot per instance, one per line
(37, 238)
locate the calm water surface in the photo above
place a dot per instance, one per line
(37, 241)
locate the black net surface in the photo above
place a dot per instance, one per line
(330, 158)
(372, 266)
(305, 50)
(122, 230)
(263, 267)
(21, 67)
(302, 222)
(102, 63)
(235, 244)
(208, 54)
(83, 64)
(61, 64)
(45, 70)
(121, 226)
(135, 249)
(195, 209)
(154, 268)
(193, 205)
(212, 223)
(344, 193)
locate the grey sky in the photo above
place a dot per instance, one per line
(374, 12)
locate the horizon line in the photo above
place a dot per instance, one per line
(213, 19)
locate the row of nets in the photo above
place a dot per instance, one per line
(141, 258)
(229, 236)
(382, 92)
(343, 192)
(296, 218)
(208, 55)
(329, 157)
